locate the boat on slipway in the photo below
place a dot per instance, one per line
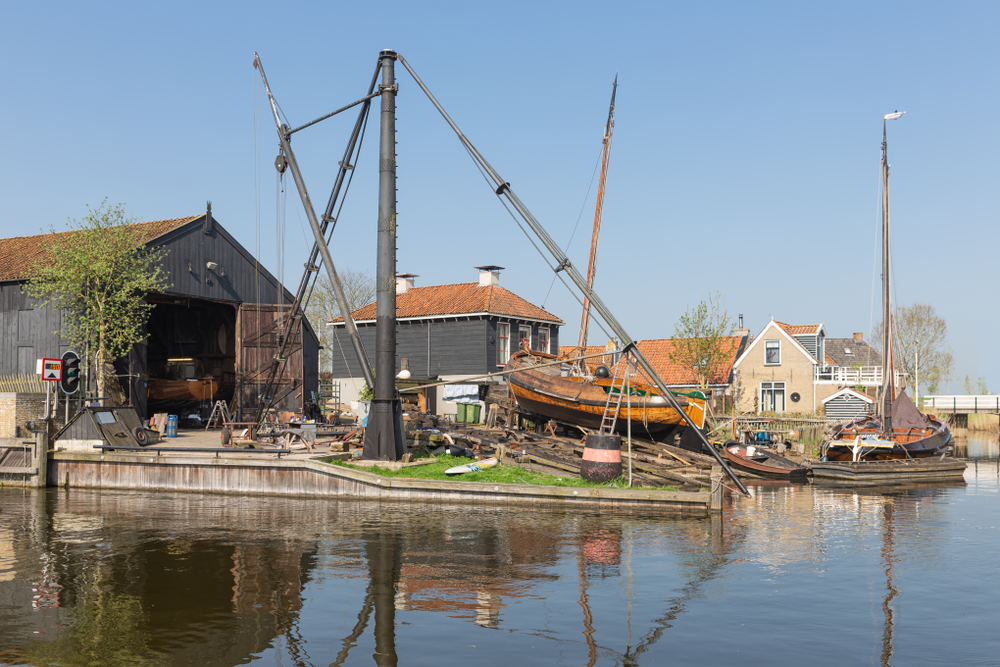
(583, 398)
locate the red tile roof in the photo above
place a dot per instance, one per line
(658, 351)
(798, 329)
(460, 299)
(18, 255)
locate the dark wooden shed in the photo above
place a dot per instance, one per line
(221, 319)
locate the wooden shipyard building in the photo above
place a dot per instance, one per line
(219, 319)
(448, 332)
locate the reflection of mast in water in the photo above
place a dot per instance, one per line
(890, 589)
(384, 555)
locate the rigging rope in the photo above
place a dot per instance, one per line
(531, 240)
(578, 217)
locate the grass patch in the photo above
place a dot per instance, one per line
(500, 474)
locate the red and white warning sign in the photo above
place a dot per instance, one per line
(52, 370)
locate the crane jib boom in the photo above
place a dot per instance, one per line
(319, 246)
(562, 262)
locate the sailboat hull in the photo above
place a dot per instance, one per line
(906, 443)
(544, 392)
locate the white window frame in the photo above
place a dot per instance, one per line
(521, 328)
(503, 343)
(767, 348)
(772, 388)
(546, 348)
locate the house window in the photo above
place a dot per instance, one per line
(524, 334)
(503, 343)
(772, 352)
(772, 396)
(543, 339)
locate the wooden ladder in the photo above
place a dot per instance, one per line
(220, 411)
(610, 417)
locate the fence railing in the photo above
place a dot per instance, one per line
(962, 404)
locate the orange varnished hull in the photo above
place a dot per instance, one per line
(578, 401)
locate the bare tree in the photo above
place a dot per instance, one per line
(359, 288)
(702, 339)
(919, 337)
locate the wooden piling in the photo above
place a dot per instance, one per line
(716, 489)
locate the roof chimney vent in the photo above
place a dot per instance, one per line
(489, 275)
(859, 337)
(404, 282)
(208, 227)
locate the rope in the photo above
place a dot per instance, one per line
(582, 208)
(531, 240)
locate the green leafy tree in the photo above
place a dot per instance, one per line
(98, 274)
(703, 339)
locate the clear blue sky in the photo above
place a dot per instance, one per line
(745, 156)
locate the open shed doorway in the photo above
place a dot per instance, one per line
(190, 355)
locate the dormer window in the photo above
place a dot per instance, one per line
(772, 352)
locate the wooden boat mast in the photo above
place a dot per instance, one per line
(592, 267)
(888, 389)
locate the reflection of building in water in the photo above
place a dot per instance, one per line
(467, 568)
(111, 584)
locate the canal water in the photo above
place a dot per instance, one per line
(799, 574)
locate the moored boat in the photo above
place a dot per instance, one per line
(759, 461)
(900, 430)
(583, 398)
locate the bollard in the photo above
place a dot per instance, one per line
(716, 490)
(40, 458)
(602, 457)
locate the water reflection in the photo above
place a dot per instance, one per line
(151, 579)
(977, 446)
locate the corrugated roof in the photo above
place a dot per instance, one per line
(459, 299)
(799, 329)
(18, 255)
(658, 351)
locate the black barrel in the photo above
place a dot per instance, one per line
(602, 458)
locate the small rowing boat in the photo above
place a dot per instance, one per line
(760, 461)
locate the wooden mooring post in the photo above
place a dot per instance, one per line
(40, 458)
(716, 490)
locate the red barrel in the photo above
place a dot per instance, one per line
(602, 458)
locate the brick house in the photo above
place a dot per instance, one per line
(795, 367)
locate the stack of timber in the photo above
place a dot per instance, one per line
(654, 464)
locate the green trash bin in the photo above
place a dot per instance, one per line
(460, 417)
(472, 413)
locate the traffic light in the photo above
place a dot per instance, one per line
(70, 381)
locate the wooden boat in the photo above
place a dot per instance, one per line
(900, 431)
(888, 471)
(582, 399)
(759, 461)
(202, 389)
(914, 436)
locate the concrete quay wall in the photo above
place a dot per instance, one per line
(244, 475)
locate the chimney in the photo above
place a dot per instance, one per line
(741, 321)
(859, 337)
(489, 275)
(208, 226)
(404, 282)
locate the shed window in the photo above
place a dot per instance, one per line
(543, 339)
(524, 334)
(503, 343)
(772, 396)
(772, 352)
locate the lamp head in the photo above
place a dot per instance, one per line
(895, 115)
